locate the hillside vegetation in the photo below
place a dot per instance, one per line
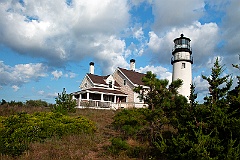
(171, 128)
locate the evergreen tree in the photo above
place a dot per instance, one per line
(64, 103)
(209, 131)
(182, 130)
(234, 95)
(218, 86)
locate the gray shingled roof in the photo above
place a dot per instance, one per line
(134, 77)
(99, 79)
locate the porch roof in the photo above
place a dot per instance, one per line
(106, 91)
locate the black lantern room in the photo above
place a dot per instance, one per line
(181, 44)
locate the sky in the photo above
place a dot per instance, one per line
(47, 45)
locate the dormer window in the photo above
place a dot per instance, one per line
(110, 84)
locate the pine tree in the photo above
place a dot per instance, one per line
(209, 131)
(218, 86)
(64, 103)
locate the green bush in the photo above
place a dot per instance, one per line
(36, 103)
(17, 131)
(118, 145)
(131, 121)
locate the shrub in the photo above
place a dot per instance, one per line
(131, 121)
(36, 103)
(65, 103)
(17, 131)
(118, 145)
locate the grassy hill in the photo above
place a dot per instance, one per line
(84, 146)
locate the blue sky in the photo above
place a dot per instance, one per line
(47, 45)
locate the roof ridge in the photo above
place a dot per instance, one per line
(132, 76)
(132, 70)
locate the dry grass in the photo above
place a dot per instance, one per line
(6, 110)
(73, 147)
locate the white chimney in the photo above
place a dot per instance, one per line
(132, 64)
(91, 68)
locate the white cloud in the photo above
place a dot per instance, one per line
(154, 42)
(52, 95)
(201, 88)
(161, 72)
(37, 30)
(172, 13)
(41, 92)
(15, 88)
(201, 85)
(72, 75)
(112, 54)
(57, 74)
(138, 33)
(204, 38)
(21, 73)
(138, 2)
(230, 32)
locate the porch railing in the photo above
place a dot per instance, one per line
(109, 104)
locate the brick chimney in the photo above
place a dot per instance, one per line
(132, 64)
(91, 68)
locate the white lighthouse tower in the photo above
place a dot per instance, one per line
(182, 64)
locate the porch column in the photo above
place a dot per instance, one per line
(87, 95)
(115, 99)
(102, 97)
(79, 99)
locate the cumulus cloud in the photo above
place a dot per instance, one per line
(203, 41)
(154, 42)
(111, 54)
(138, 33)
(171, 13)
(201, 85)
(57, 74)
(138, 42)
(230, 32)
(21, 73)
(72, 75)
(160, 71)
(138, 2)
(41, 92)
(60, 32)
(15, 88)
(52, 95)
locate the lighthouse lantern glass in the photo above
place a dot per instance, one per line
(182, 43)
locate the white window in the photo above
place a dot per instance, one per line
(110, 84)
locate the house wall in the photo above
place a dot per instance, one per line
(110, 78)
(127, 89)
(86, 83)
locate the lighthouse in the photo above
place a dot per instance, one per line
(182, 64)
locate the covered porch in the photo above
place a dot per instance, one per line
(100, 98)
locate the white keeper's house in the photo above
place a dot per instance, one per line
(116, 90)
(111, 91)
